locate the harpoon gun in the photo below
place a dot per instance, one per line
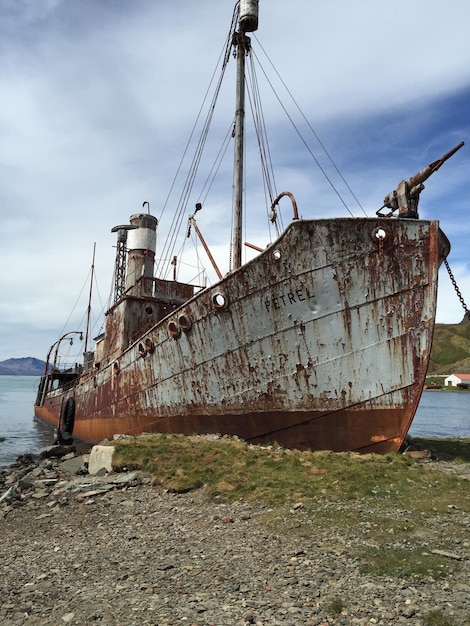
(405, 198)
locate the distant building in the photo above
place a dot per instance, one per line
(457, 379)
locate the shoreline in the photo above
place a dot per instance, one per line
(83, 448)
(444, 388)
(117, 549)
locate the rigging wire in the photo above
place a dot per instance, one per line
(215, 167)
(200, 268)
(95, 320)
(263, 146)
(306, 144)
(86, 283)
(260, 130)
(182, 204)
(314, 134)
(206, 187)
(262, 138)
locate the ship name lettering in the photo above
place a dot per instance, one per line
(285, 299)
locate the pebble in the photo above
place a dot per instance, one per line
(114, 550)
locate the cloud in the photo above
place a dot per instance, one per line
(99, 99)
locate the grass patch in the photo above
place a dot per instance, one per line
(404, 563)
(335, 605)
(437, 618)
(274, 475)
(230, 468)
(387, 511)
(435, 380)
(459, 449)
(450, 348)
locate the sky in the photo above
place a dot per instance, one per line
(98, 99)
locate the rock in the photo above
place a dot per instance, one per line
(25, 483)
(122, 480)
(56, 451)
(75, 465)
(68, 617)
(101, 457)
(94, 492)
(10, 495)
(114, 549)
(410, 611)
(22, 460)
(418, 454)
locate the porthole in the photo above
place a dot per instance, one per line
(276, 254)
(142, 350)
(116, 367)
(185, 322)
(220, 301)
(149, 345)
(174, 329)
(379, 234)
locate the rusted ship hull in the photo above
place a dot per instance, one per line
(320, 342)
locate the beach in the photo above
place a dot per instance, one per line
(116, 549)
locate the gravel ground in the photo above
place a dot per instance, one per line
(116, 550)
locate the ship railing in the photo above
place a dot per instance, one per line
(63, 379)
(66, 368)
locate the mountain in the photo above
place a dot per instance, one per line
(450, 349)
(27, 366)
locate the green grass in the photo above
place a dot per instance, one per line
(230, 468)
(389, 504)
(459, 449)
(335, 605)
(404, 563)
(450, 349)
(435, 380)
(437, 618)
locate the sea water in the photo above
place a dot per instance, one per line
(19, 431)
(440, 414)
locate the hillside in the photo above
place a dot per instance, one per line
(27, 366)
(450, 349)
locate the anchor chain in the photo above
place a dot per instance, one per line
(457, 290)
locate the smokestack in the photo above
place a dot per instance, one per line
(141, 245)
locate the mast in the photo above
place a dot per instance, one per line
(89, 299)
(248, 22)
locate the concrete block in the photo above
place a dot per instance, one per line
(101, 457)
